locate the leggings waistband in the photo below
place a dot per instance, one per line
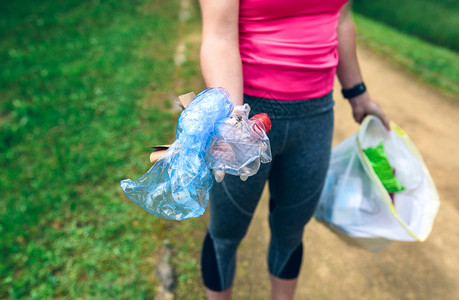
(280, 109)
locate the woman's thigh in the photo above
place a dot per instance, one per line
(232, 204)
(298, 174)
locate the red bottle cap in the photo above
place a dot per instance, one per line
(263, 119)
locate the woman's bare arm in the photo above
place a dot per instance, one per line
(220, 59)
(348, 69)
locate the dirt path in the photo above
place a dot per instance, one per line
(333, 270)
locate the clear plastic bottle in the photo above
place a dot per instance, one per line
(241, 144)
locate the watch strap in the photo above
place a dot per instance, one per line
(356, 90)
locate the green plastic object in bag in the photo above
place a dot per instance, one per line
(378, 159)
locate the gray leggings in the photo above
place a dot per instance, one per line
(300, 140)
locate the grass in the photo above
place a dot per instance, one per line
(83, 91)
(431, 20)
(434, 64)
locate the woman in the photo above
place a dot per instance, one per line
(280, 57)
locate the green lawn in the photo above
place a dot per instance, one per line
(84, 89)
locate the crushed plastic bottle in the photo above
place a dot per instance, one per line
(240, 145)
(176, 186)
(210, 134)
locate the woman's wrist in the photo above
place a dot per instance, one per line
(354, 91)
(359, 99)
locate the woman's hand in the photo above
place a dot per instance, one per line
(362, 105)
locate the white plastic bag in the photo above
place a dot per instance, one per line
(354, 202)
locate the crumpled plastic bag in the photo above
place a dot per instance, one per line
(176, 186)
(240, 144)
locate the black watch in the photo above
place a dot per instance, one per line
(354, 91)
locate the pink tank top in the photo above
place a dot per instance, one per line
(288, 47)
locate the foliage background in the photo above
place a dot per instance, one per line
(431, 20)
